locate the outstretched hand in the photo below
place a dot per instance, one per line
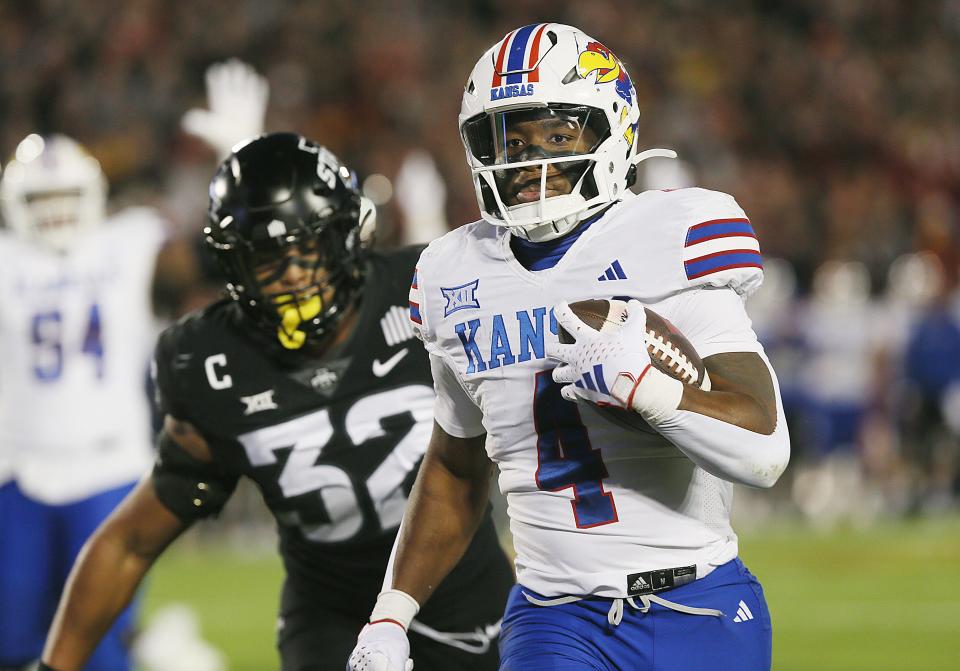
(237, 98)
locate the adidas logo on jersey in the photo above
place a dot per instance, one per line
(743, 613)
(613, 272)
(649, 582)
(642, 583)
(396, 325)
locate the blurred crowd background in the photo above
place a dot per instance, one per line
(835, 123)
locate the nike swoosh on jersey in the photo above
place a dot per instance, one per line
(381, 369)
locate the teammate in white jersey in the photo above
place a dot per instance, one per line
(75, 332)
(625, 555)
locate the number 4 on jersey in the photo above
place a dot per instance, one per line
(566, 458)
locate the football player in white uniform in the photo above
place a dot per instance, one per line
(75, 333)
(625, 554)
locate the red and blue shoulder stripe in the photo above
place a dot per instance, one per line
(415, 300)
(718, 245)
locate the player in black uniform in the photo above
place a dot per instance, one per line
(306, 380)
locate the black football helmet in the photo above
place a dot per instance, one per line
(280, 200)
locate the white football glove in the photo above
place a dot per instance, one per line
(381, 646)
(612, 367)
(237, 96)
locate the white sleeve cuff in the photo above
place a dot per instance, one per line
(395, 606)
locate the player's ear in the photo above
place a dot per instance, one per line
(368, 221)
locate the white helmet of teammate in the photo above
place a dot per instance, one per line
(549, 121)
(52, 191)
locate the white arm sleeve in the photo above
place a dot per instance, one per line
(715, 321)
(388, 575)
(729, 451)
(454, 410)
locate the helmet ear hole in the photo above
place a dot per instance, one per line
(489, 200)
(589, 188)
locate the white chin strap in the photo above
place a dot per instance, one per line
(553, 228)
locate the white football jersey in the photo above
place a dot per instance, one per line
(6, 465)
(75, 338)
(592, 504)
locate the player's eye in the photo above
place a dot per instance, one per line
(515, 147)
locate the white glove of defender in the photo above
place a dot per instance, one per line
(612, 367)
(381, 646)
(237, 96)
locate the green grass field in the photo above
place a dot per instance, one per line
(883, 599)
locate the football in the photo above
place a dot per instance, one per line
(670, 351)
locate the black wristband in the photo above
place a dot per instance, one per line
(43, 667)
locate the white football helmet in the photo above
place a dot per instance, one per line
(52, 191)
(549, 121)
